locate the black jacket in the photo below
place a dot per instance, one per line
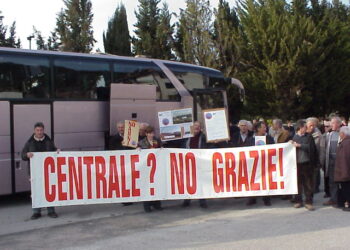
(32, 145)
(307, 153)
(236, 140)
(115, 143)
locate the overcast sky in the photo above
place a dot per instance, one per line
(42, 14)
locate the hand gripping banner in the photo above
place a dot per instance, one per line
(75, 178)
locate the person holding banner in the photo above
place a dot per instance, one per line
(197, 141)
(150, 141)
(242, 138)
(260, 129)
(306, 159)
(39, 142)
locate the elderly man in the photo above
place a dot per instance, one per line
(142, 134)
(279, 134)
(115, 143)
(197, 141)
(311, 125)
(342, 166)
(331, 153)
(242, 138)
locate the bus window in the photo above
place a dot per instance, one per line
(81, 79)
(190, 77)
(24, 77)
(134, 72)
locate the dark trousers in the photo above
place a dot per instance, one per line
(317, 180)
(326, 185)
(201, 202)
(305, 183)
(149, 204)
(345, 191)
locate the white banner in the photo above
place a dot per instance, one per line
(74, 178)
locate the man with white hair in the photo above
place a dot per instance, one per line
(242, 138)
(311, 125)
(331, 153)
(342, 166)
(279, 134)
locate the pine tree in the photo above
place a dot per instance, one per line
(164, 35)
(74, 26)
(146, 28)
(116, 40)
(195, 34)
(11, 40)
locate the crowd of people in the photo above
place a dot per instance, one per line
(320, 146)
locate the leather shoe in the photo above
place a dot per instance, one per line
(329, 203)
(35, 216)
(52, 215)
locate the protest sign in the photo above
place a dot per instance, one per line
(175, 124)
(216, 126)
(131, 134)
(74, 178)
(260, 140)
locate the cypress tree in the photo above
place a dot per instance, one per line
(116, 40)
(74, 26)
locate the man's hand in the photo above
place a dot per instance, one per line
(58, 151)
(29, 155)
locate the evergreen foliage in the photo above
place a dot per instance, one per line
(10, 40)
(116, 40)
(74, 26)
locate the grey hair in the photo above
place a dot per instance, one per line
(337, 118)
(278, 122)
(121, 123)
(249, 125)
(345, 130)
(243, 122)
(313, 120)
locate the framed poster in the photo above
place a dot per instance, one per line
(216, 125)
(175, 124)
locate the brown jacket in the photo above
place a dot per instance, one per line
(342, 163)
(283, 137)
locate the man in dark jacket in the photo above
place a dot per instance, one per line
(306, 158)
(197, 141)
(39, 142)
(115, 142)
(342, 166)
(242, 138)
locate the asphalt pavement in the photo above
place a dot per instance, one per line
(226, 224)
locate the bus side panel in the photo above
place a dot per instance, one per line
(5, 149)
(80, 125)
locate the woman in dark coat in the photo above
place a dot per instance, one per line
(342, 166)
(150, 141)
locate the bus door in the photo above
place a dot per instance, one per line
(5, 149)
(132, 102)
(24, 116)
(207, 99)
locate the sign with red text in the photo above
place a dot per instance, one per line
(131, 134)
(74, 178)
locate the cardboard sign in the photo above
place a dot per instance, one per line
(131, 134)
